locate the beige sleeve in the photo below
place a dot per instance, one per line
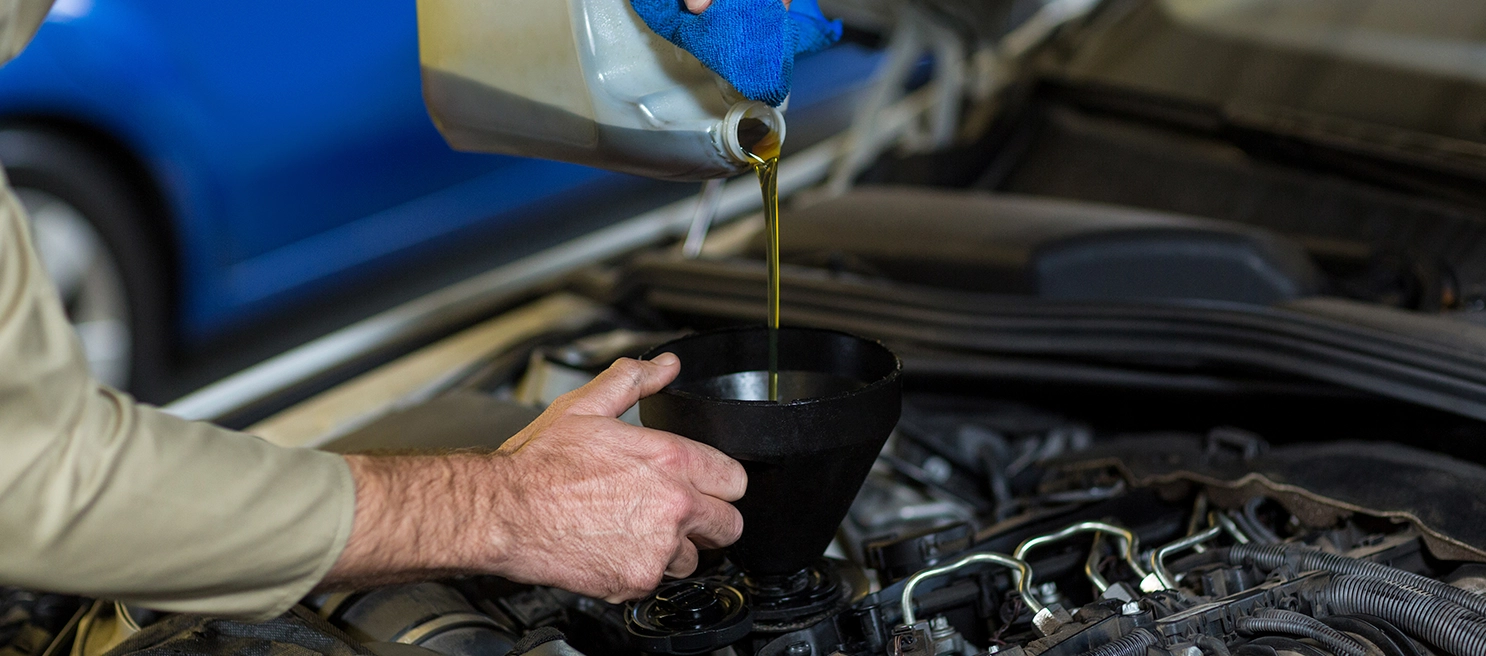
(104, 497)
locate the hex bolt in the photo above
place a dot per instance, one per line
(804, 649)
(939, 628)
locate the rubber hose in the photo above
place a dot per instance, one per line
(1257, 530)
(1267, 646)
(1134, 643)
(1439, 622)
(1213, 556)
(1211, 646)
(1293, 623)
(1302, 559)
(1409, 646)
(1361, 628)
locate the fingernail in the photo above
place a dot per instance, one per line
(666, 360)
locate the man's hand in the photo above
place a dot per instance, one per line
(578, 500)
(602, 507)
(751, 43)
(699, 6)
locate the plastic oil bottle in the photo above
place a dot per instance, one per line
(582, 81)
(586, 81)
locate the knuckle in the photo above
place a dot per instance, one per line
(671, 455)
(567, 402)
(678, 505)
(629, 371)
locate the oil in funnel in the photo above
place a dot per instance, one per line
(807, 454)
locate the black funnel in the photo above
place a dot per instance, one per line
(807, 455)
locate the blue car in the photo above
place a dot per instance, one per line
(192, 167)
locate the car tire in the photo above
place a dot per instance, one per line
(92, 229)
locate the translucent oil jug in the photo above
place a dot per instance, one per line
(581, 81)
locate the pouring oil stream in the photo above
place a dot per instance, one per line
(762, 146)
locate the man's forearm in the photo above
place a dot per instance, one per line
(420, 517)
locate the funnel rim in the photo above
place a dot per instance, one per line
(884, 381)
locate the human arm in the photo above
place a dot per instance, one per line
(104, 497)
(577, 500)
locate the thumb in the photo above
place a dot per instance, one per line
(623, 384)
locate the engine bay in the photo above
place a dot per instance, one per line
(1107, 475)
(1000, 528)
(1119, 474)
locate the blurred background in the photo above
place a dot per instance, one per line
(214, 183)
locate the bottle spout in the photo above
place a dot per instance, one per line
(745, 128)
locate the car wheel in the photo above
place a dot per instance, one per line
(89, 230)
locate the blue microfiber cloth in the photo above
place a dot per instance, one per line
(750, 43)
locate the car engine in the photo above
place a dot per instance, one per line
(1001, 528)
(1069, 476)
